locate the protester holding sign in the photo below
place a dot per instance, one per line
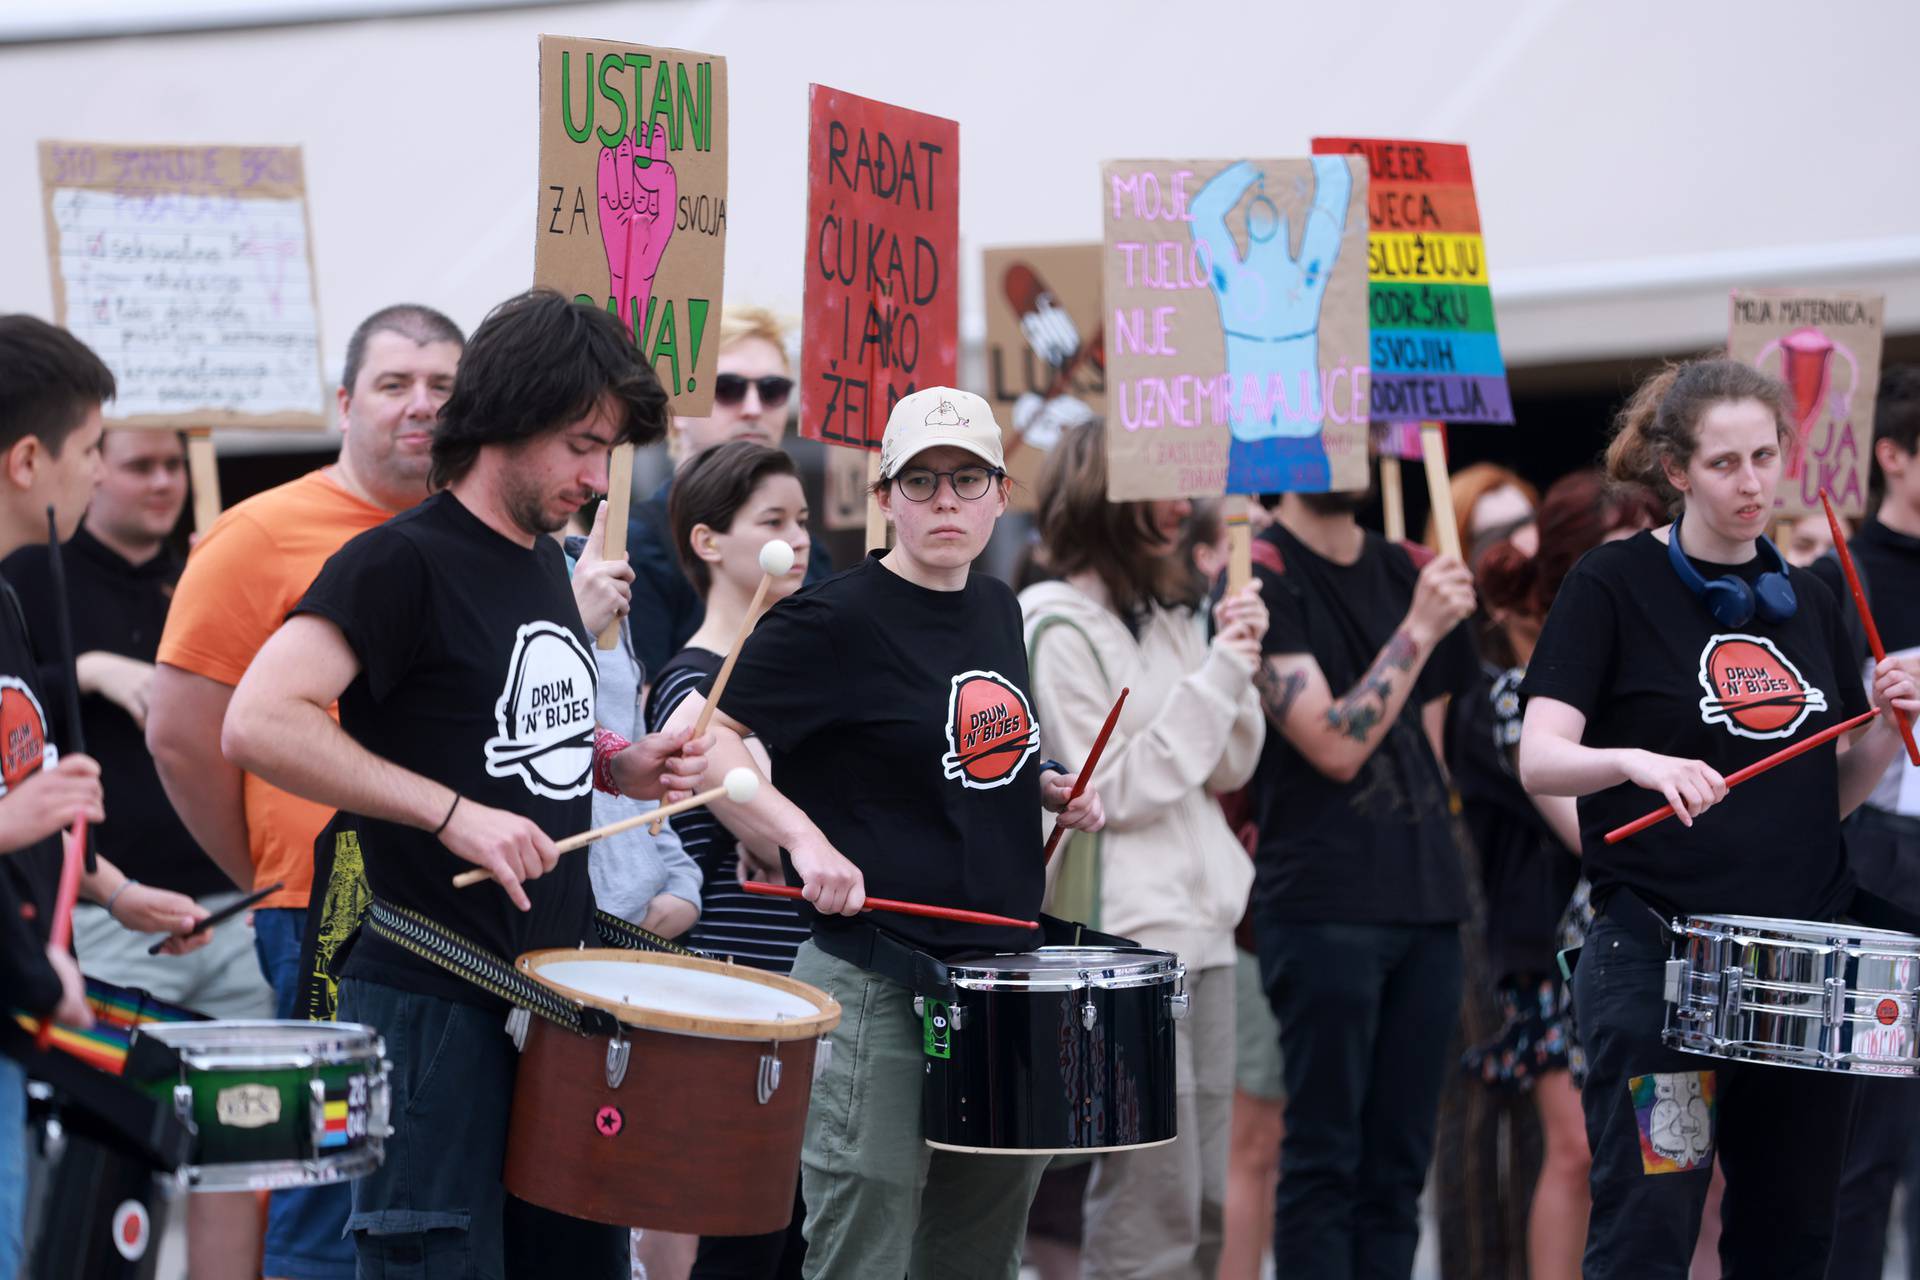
(868, 676)
(1641, 629)
(1167, 872)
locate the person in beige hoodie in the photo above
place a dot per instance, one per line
(1167, 871)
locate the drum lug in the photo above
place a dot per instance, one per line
(519, 1018)
(1729, 1010)
(822, 1055)
(380, 1102)
(1679, 975)
(1179, 1000)
(617, 1050)
(956, 1016)
(919, 1006)
(1089, 1015)
(183, 1107)
(1836, 1001)
(769, 1073)
(317, 1112)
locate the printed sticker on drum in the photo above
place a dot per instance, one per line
(1753, 689)
(132, 1228)
(990, 731)
(545, 714)
(1675, 1111)
(247, 1106)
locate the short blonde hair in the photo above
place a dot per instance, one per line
(740, 323)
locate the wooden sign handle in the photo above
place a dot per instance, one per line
(876, 519)
(1433, 448)
(619, 498)
(203, 470)
(1239, 541)
(1393, 503)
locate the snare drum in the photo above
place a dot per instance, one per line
(1060, 1050)
(1827, 997)
(277, 1104)
(687, 1117)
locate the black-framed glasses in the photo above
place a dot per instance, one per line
(731, 388)
(970, 484)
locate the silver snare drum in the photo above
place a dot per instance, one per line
(1795, 993)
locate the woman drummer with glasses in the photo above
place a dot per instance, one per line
(894, 702)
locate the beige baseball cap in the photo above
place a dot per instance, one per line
(940, 416)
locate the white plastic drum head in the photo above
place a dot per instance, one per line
(670, 989)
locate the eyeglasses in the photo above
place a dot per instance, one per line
(731, 388)
(969, 483)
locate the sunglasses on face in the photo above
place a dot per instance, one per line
(969, 483)
(731, 388)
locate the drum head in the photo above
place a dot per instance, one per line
(686, 994)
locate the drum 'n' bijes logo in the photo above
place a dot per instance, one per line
(990, 731)
(1753, 689)
(545, 714)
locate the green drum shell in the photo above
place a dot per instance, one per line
(247, 1090)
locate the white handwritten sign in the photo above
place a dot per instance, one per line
(190, 271)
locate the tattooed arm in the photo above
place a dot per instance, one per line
(1338, 734)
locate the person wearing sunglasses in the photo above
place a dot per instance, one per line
(896, 705)
(753, 396)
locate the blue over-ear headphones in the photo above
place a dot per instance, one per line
(1729, 599)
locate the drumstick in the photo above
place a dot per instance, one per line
(1841, 550)
(223, 915)
(776, 559)
(902, 908)
(60, 935)
(739, 787)
(1739, 776)
(63, 631)
(1086, 772)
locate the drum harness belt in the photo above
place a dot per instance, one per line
(866, 946)
(441, 945)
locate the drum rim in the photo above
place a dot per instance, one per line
(275, 1175)
(1149, 968)
(820, 1023)
(1794, 930)
(331, 1044)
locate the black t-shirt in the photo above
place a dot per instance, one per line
(476, 672)
(751, 928)
(1379, 849)
(117, 607)
(898, 719)
(1525, 872)
(29, 878)
(1630, 647)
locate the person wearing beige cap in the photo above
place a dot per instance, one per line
(895, 703)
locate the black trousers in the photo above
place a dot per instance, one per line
(774, 1255)
(1366, 1018)
(1657, 1117)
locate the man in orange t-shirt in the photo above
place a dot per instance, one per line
(243, 577)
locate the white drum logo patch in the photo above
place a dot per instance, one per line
(545, 714)
(247, 1106)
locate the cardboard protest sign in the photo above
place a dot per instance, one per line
(1825, 345)
(1236, 326)
(1046, 357)
(190, 271)
(1435, 353)
(632, 209)
(882, 298)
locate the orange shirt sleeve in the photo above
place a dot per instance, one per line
(229, 600)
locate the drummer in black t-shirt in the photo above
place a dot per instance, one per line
(1660, 671)
(893, 700)
(451, 639)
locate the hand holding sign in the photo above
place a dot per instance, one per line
(638, 195)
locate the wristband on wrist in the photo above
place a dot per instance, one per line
(606, 745)
(114, 897)
(449, 818)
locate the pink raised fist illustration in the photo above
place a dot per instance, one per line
(639, 195)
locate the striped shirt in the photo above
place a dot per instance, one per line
(746, 927)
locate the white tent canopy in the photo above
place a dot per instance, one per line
(1633, 160)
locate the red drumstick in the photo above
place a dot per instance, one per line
(60, 934)
(1739, 776)
(1086, 772)
(1866, 616)
(903, 908)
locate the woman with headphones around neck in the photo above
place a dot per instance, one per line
(1670, 660)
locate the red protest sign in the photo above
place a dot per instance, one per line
(881, 311)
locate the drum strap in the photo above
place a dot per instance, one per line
(454, 953)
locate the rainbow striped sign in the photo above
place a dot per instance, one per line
(1433, 348)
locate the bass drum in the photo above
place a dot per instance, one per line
(1056, 1051)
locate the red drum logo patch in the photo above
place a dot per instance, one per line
(990, 731)
(23, 734)
(1753, 689)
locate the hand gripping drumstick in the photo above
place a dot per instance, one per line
(1866, 617)
(1739, 776)
(1086, 772)
(776, 560)
(902, 908)
(739, 787)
